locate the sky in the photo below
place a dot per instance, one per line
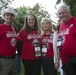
(49, 5)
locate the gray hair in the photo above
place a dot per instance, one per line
(63, 6)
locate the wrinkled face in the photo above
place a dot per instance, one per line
(31, 21)
(46, 26)
(9, 18)
(63, 14)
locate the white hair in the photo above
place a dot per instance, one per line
(62, 5)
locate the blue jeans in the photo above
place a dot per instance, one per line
(18, 63)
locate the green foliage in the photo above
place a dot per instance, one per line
(4, 3)
(1, 20)
(72, 4)
(19, 21)
(23, 11)
(40, 12)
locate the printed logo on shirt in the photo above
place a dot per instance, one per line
(13, 42)
(71, 25)
(47, 40)
(66, 31)
(33, 36)
(51, 37)
(10, 34)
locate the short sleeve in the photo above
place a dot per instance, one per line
(21, 35)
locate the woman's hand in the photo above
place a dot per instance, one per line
(56, 65)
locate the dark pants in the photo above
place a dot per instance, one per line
(48, 66)
(64, 73)
(32, 67)
(18, 63)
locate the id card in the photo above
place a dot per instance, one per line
(44, 49)
(37, 51)
(59, 43)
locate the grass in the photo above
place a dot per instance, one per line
(21, 70)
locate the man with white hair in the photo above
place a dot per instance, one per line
(8, 43)
(67, 43)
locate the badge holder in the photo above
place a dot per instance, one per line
(44, 50)
(59, 43)
(37, 49)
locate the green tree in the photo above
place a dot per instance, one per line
(5, 3)
(19, 21)
(38, 10)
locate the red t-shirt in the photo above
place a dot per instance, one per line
(28, 51)
(7, 40)
(68, 32)
(48, 40)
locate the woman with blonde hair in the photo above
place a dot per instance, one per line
(47, 47)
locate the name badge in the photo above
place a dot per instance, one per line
(44, 49)
(37, 48)
(59, 43)
(37, 52)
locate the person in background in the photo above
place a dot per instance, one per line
(47, 47)
(8, 39)
(29, 37)
(67, 36)
(18, 62)
(60, 61)
(58, 25)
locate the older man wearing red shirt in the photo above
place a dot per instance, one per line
(68, 34)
